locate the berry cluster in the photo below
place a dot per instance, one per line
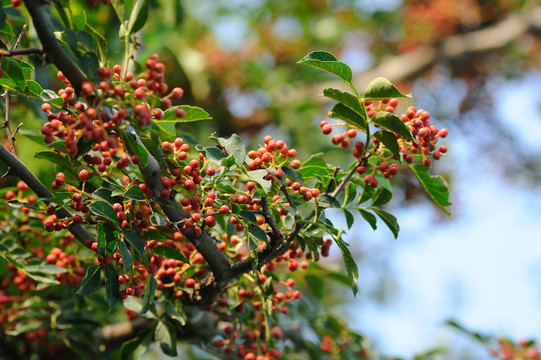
(425, 134)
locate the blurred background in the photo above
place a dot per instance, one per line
(474, 64)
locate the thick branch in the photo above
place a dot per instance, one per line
(51, 47)
(20, 170)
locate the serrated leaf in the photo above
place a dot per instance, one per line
(388, 139)
(127, 261)
(111, 286)
(327, 62)
(351, 102)
(138, 16)
(135, 193)
(17, 204)
(141, 342)
(389, 220)
(235, 147)
(381, 88)
(148, 297)
(370, 218)
(435, 186)
(193, 113)
(53, 157)
(49, 96)
(257, 176)
(342, 112)
(134, 240)
(13, 70)
(381, 197)
(170, 253)
(248, 215)
(91, 282)
(104, 209)
(393, 123)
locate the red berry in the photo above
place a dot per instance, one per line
(83, 175)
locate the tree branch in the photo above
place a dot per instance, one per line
(51, 47)
(20, 170)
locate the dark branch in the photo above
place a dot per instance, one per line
(20, 170)
(51, 47)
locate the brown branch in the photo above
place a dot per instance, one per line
(53, 50)
(27, 51)
(19, 169)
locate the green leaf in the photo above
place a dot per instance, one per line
(214, 154)
(118, 5)
(43, 268)
(370, 218)
(139, 150)
(13, 70)
(101, 43)
(193, 113)
(382, 196)
(91, 282)
(388, 139)
(53, 157)
(33, 89)
(352, 103)
(234, 146)
(257, 176)
(315, 168)
(79, 21)
(349, 218)
(150, 290)
(106, 238)
(381, 88)
(134, 240)
(327, 201)
(351, 266)
(105, 210)
(166, 339)
(393, 123)
(435, 186)
(170, 253)
(127, 261)
(138, 16)
(350, 193)
(293, 174)
(49, 96)
(141, 343)
(157, 218)
(111, 286)
(258, 233)
(340, 111)
(389, 220)
(327, 62)
(368, 192)
(135, 193)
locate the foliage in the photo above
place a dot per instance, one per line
(214, 240)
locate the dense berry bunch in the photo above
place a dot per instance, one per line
(375, 158)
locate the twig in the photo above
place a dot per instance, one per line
(6, 96)
(17, 168)
(27, 51)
